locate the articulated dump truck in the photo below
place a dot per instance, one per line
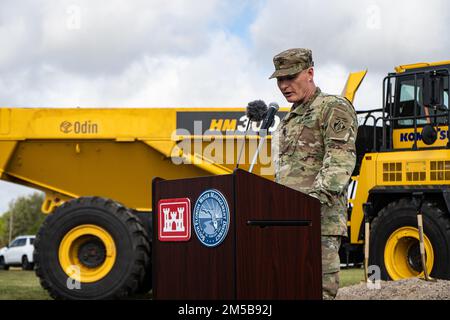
(96, 167)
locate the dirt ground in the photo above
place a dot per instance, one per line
(406, 289)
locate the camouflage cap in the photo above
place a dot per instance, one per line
(292, 61)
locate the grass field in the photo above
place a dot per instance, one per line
(16, 284)
(351, 276)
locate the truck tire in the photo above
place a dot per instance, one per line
(91, 248)
(146, 284)
(394, 244)
(146, 219)
(3, 266)
(26, 265)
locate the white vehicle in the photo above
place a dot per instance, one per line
(18, 253)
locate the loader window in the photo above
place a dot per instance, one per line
(446, 93)
(405, 105)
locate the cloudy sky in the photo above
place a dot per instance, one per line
(201, 53)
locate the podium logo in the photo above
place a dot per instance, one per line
(211, 218)
(174, 219)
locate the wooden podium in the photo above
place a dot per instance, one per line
(272, 248)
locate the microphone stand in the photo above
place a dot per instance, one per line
(243, 144)
(260, 144)
(264, 130)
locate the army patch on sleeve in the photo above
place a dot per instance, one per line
(339, 124)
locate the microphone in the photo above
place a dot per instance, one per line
(269, 116)
(256, 110)
(267, 122)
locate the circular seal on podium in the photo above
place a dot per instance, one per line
(211, 218)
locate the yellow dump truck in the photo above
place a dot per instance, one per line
(96, 167)
(90, 156)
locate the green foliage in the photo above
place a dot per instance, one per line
(2, 226)
(27, 217)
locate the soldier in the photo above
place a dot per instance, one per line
(314, 151)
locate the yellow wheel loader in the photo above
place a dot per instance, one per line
(403, 168)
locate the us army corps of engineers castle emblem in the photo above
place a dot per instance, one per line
(211, 218)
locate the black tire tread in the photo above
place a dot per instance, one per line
(139, 234)
(4, 266)
(439, 214)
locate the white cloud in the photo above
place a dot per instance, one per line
(223, 75)
(358, 34)
(10, 191)
(353, 35)
(95, 37)
(168, 54)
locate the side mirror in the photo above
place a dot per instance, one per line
(433, 88)
(429, 134)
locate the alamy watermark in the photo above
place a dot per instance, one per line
(73, 20)
(373, 277)
(224, 148)
(373, 21)
(74, 280)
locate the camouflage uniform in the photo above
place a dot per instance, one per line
(314, 152)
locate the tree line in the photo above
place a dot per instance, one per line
(26, 214)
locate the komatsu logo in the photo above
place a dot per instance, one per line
(79, 127)
(411, 136)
